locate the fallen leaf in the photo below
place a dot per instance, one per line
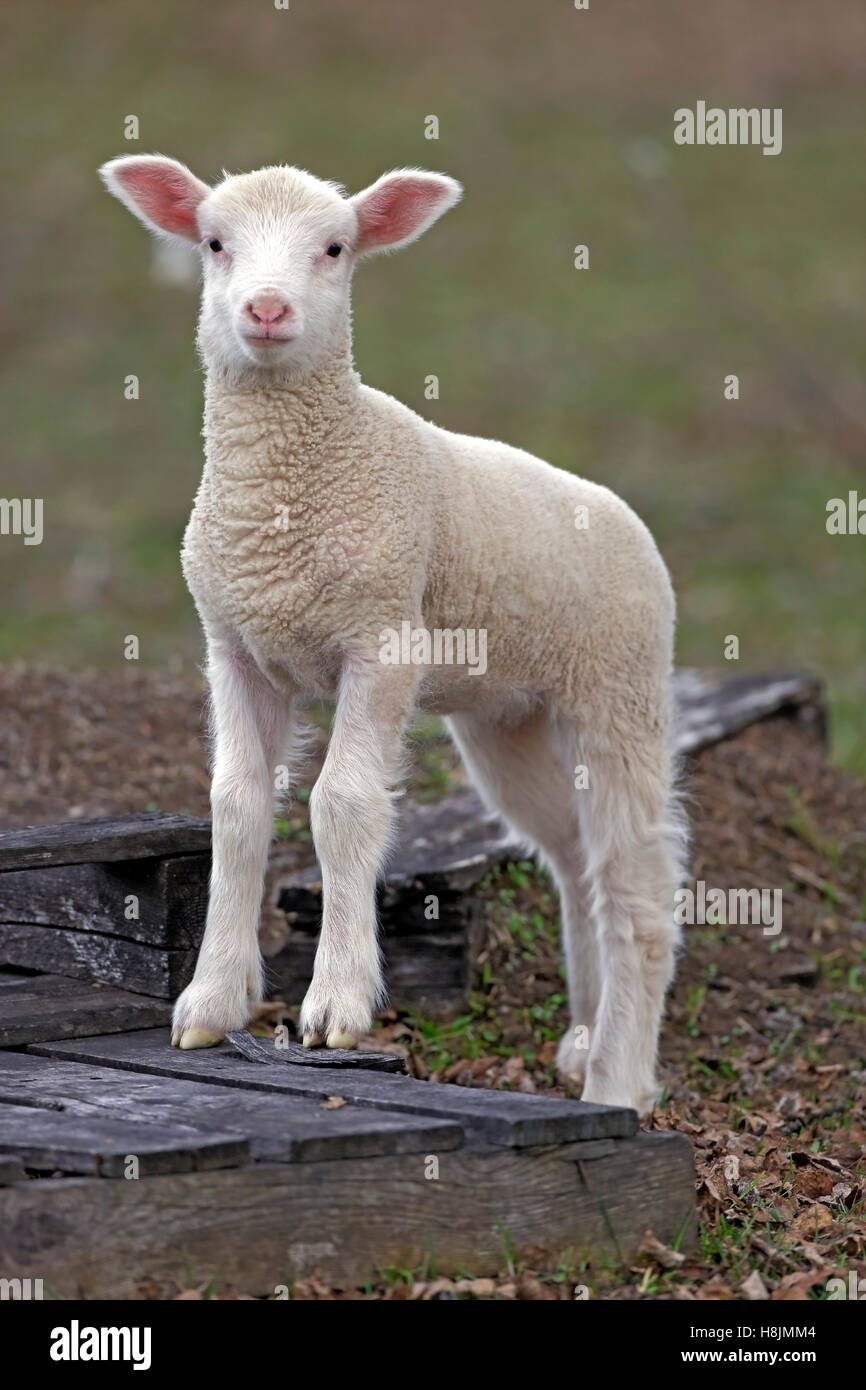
(812, 1183)
(754, 1287)
(668, 1259)
(478, 1288)
(811, 1221)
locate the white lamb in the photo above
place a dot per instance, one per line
(329, 514)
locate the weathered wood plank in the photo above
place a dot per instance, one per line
(167, 896)
(54, 1141)
(279, 1129)
(489, 1117)
(11, 1170)
(431, 971)
(92, 956)
(267, 1225)
(267, 1053)
(42, 1007)
(710, 708)
(101, 841)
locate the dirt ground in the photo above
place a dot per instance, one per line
(764, 1047)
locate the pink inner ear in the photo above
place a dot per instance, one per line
(164, 195)
(394, 211)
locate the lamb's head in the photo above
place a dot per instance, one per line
(278, 248)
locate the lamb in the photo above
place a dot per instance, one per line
(330, 515)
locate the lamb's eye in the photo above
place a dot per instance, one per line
(334, 249)
(215, 245)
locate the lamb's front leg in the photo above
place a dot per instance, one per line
(250, 724)
(351, 813)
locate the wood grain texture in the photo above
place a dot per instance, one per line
(265, 1052)
(282, 1128)
(41, 1007)
(490, 1117)
(11, 1170)
(91, 956)
(268, 1224)
(51, 1140)
(109, 838)
(710, 708)
(171, 899)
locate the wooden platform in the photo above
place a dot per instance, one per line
(127, 1167)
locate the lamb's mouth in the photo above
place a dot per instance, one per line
(259, 341)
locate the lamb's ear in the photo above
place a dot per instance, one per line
(162, 193)
(398, 207)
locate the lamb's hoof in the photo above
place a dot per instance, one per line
(571, 1064)
(572, 1081)
(196, 1037)
(336, 1015)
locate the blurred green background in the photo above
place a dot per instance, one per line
(559, 122)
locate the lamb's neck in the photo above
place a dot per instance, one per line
(267, 427)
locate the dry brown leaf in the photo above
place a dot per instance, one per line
(530, 1288)
(811, 1222)
(813, 1183)
(716, 1290)
(668, 1259)
(433, 1289)
(477, 1288)
(754, 1287)
(794, 1288)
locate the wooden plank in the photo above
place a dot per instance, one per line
(710, 708)
(451, 839)
(54, 1141)
(431, 971)
(488, 1117)
(279, 1129)
(92, 956)
(101, 841)
(11, 1170)
(42, 1007)
(266, 1052)
(168, 896)
(267, 1225)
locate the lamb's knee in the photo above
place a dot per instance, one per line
(240, 806)
(350, 821)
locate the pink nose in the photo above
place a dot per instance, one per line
(268, 308)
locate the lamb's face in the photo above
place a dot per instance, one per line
(278, 248)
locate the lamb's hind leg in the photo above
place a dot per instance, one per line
(250, 727)
(525, 772)
(632, 843)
